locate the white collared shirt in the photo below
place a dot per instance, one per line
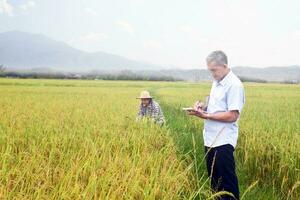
(225, 95)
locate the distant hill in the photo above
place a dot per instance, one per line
(276, 74)
(268, 74)
(21, 51)
(36, 53)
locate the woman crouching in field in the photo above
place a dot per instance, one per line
(150, 109)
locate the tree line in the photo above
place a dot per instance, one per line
(123, 75)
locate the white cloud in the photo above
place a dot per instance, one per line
(93, 37)
(28, 5)
(193, 35)
(186, 29)
(6, 8)
(152, 44)
(90, 11)
(126, 26)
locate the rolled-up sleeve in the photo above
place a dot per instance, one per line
(236, 98)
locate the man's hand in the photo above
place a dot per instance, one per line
(199, 106)
(199, 113)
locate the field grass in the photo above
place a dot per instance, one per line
(75, 139)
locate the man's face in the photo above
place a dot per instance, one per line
(217, 71)
(145, 102)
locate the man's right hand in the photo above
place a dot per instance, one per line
(199, 106)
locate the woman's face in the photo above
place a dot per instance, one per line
(145, 102)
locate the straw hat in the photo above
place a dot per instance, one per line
(144, 95)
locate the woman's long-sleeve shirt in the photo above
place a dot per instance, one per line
(153, 111)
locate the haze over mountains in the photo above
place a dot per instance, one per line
(21, 51)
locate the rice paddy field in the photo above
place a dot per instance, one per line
(78, 139)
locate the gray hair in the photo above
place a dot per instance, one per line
(218, 57)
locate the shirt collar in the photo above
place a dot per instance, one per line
(225, 79)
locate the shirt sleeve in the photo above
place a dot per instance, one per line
(236, 98)
(157, 114)
(161, 118)
(139, 115)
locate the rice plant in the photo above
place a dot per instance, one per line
(75, 139)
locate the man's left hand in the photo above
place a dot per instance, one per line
(200, 113)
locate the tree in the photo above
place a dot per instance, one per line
(2, 68)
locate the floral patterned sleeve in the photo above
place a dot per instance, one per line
(157, 114)
(140, 113)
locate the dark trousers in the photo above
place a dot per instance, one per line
(221, 170)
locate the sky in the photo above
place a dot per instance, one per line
(174, 33)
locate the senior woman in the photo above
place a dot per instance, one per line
(150, 109)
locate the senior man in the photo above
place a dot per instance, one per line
(220, 131)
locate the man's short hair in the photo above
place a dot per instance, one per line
(218, 57)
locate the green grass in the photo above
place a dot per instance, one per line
(268, 147)
(74, 139)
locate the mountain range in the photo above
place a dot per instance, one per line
(21, 51)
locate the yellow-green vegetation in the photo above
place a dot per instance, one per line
(268, 150)
(74, 139)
